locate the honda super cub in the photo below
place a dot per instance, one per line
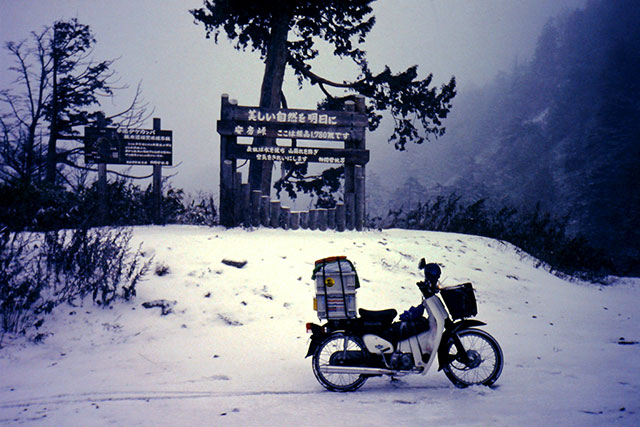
(348, 349)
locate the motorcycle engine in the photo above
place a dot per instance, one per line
(402, 361)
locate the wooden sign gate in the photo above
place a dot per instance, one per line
(241, 205)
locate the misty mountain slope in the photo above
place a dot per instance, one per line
(232, 350)
(560, 129)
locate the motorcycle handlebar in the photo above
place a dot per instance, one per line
(428, 289)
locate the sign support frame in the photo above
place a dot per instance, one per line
(348, 126)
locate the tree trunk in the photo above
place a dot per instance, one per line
(29, 155)
(50, 170)
(260, 172)
(52, 162)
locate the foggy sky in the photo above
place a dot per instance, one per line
(183, 74)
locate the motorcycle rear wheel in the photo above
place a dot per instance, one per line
(338, 350)
(484, 355)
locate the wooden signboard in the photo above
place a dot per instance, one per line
(123, 146)
(347, 128)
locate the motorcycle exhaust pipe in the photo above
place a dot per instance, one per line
(356, 370)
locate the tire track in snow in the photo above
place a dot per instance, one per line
(117, 396)
(140, 396)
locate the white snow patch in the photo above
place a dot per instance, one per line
(232, 351)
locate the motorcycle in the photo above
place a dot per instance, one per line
(347, 352)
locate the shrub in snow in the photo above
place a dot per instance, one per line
(41, 271)
(198, 211)
(20, 284)
(95, 262)
(535, 232)
(162, 269)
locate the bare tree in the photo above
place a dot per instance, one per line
(22, 120)
(57, 90)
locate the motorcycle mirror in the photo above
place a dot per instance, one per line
(422, 264)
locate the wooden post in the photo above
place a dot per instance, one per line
(304, 220)
(313, 219)
(157, 184)
(285, 217)
(226, 193)
(349, 207)
(349, 179)
(340, 217)
(359, 199)
(227, 172)
(245, 211)
(157, 195)
(360, 184)
(295, 220)
(331, 219)
(255, 207)
(274, 213)
(103, 153)
(102, 194)
(237, 198)
(265, 211)
(322, 219)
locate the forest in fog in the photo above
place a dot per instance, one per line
(560, 131)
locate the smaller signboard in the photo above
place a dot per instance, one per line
(123, 146)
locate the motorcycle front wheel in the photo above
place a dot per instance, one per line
(482, 364)
(340, 349)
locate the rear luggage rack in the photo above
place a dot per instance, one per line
(336, 283)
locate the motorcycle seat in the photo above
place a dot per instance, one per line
(378, 316)
(404, 329)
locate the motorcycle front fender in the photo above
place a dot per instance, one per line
(450, 331)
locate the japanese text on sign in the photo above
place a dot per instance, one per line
(292, 117)
(144, 135)
(298, 154)
(128, 146)
(291, 154)
(240, 130)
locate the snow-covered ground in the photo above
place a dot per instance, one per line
(232, 351)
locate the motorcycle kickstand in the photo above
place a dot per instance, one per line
(396, 381)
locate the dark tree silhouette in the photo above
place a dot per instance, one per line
(58, 88)
(285, 33)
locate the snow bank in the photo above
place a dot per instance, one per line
(231, 352)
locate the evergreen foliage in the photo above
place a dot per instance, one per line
(323, 186)
(561, 130)
(287, 33)
(43, 208)
(535, 232)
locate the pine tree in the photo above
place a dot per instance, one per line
(285, 33)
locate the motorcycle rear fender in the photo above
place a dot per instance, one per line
(318, 335)
(450, 330)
